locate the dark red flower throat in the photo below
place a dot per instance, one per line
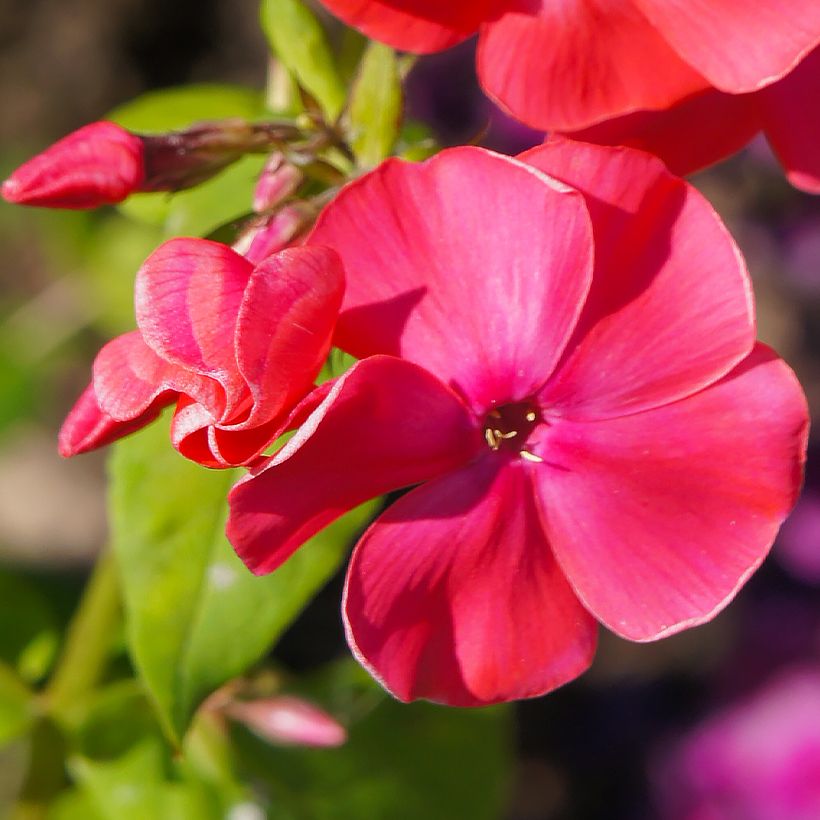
(507, 428)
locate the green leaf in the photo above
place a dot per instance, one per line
(200, 210)
(375, 110)
(28, 632)
(134, 787)
(195, 616)
(17, 711)
(401, 761)
(171, 109)
(297, 38)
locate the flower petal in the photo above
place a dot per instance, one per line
(453, 594)
(421, 26)
(670, 308)
(129, 377)
(188, 295)
(566, 65)
(285, 326)
(791, 119)
(738, 45)
(695, 133)
(471, 264)
(87, 427)
(385, 424)
(658, 518)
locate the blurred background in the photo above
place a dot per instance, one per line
(719, 722)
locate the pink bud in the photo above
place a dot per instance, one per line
(278, 180)
(274, 233)
(289, 721)
(99, 164)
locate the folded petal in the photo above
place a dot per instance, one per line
(188, 294)
(738, 45)
(670, 307)
(693, 134)
(421, 26)
(658, 518)
(454, 595)
(791, 119)
(87, 427)
(471, 264)
(566, 65)
(285, 325)
(385, 424)
(129, 377)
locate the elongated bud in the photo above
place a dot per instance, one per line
(278, 180)
(99, 164)
(289, 721)
(102, 163)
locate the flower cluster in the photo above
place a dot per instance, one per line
(690, 82)
(556, 353)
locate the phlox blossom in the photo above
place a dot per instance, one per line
(233, 345)
(557, 354)
(566, 64)
(711, 125)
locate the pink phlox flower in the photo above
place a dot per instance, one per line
(559, 350)
(233, 345)
(711, 125)
(567, 64)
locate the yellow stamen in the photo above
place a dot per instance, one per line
(527, 456)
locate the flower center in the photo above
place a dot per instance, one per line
(507, 428)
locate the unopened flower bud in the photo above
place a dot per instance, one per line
(99, 164)
(102, 163)
(288, 720)
(278, 180)
(273, 233)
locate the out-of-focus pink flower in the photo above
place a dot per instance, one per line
(759, 760)
(566, 65)
(798, 548)
(289, 721)
(233, 345)
(571, 376)
(711, 125)
(99, 164)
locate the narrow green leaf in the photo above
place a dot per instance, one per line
(296, 37)
(195, 616)
(375, 110)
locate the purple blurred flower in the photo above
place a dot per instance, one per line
(798, 547)
(758, 760)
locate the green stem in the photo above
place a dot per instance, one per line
(85, 654)
(89, 639)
